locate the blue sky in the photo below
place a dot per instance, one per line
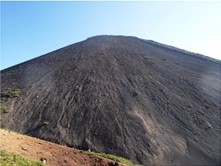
(31, 29)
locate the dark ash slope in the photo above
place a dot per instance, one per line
(135, 98)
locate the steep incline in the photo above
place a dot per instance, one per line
(138, 99)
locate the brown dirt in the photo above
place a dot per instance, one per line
(56, 155)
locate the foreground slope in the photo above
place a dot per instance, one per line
(139, 99)
(50, 153)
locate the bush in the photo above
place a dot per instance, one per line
(10, 94)
(3, 109)
(4, 95)
(3, 99)
(15, 92)
(45, 123)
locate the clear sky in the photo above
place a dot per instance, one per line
(31, 29)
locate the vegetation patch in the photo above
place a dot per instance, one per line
(114, 158)
(10, 93)
(45, 123)
(3, 109)
(9, 159)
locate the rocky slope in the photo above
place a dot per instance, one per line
(138, 99)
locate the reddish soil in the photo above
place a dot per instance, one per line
(36, 149)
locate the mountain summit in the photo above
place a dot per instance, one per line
(151, 103)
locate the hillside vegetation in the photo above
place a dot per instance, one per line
(12, 159)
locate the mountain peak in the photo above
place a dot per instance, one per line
(144, 101)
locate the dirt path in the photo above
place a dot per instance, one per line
(54, 154)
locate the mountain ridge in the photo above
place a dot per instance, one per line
(123, 96)
(149, 41)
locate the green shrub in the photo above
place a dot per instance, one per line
(10, 94)
(3, 99)
(3, 109)
(15, 92)
(4, 95)
(45, 123)
(12, 159)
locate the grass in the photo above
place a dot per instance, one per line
(12, 159)
(114, 158)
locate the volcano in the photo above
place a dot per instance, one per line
(149, 102)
